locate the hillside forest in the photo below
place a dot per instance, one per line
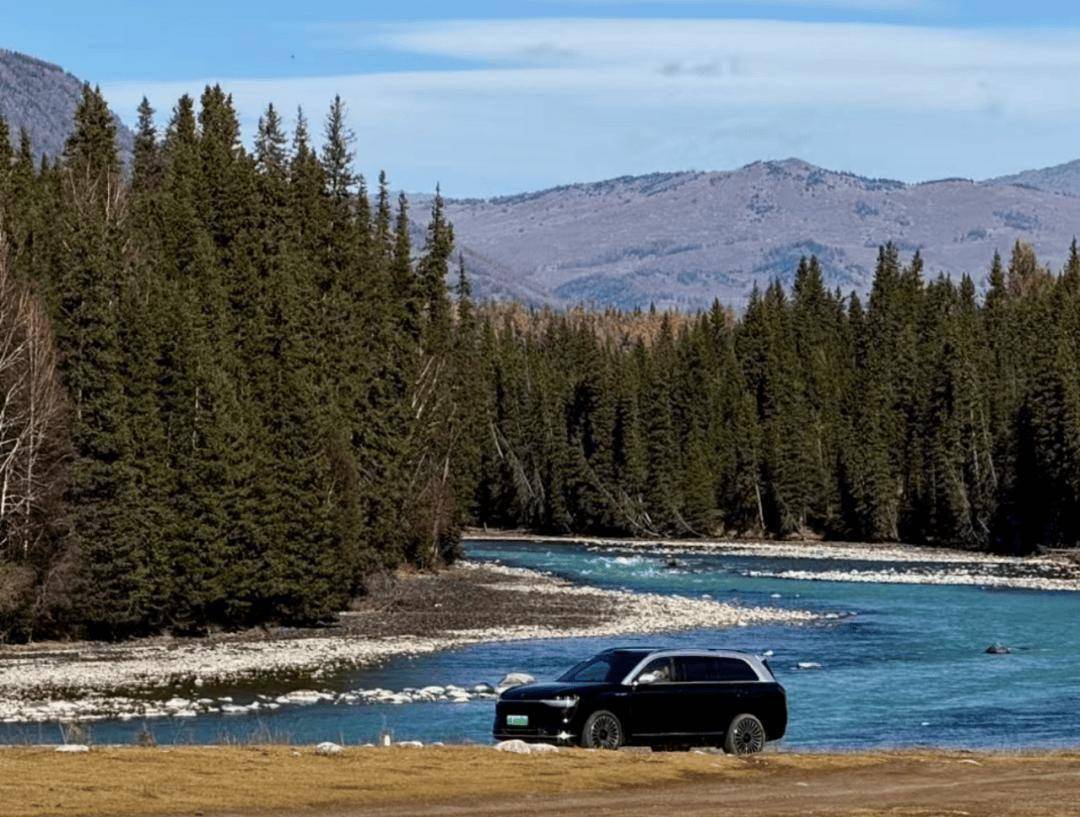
(231, 391)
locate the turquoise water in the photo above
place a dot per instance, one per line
(903, 665)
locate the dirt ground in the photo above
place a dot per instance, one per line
(277, 781)
(432, 604)
(403, 603)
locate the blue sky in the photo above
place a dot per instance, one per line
(498, 97)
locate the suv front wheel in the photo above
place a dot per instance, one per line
(602, 730)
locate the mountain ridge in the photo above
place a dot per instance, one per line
(1062, 178)
(680, 239)
(40, 97)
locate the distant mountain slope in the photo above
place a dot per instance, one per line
(682, 239)
(41, 97)
(1063, 178)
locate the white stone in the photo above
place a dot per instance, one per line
(73, 748)
(518, 747)
(327, 748)
(303, 697)
(542, 748)
(410, 744)
(515, 679)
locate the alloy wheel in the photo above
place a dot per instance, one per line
(749, 736)
(605, 732)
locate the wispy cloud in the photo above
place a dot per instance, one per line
(554, 100)
(747, 61)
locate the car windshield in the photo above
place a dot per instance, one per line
(609, 667)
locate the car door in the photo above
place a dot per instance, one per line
(724, 686)
(705, 700)
(651, 704)
(743, 688)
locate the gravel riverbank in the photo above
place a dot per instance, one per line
(412, 615)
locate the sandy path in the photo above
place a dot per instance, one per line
(865, 786)
(451, 782)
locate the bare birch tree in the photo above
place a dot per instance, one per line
(32, 419)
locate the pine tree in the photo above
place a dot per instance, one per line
(432, 273)
(116, 588)
(385, 235)
(660, 490)
(405, 286)
(146, 160)
(337, 153)
(271, 155)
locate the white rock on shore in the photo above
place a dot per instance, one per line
(520, 747)
(542, 748)
(517, 747)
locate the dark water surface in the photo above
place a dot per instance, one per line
(908, 668)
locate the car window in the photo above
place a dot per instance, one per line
(611, 667)
(595, 669)
(734, 669)
(694, 669)
(661, 667)
(699, 668)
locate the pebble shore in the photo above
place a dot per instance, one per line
(86, 681)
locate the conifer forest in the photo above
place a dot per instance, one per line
(231, 391)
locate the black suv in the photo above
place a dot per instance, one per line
(651, 696)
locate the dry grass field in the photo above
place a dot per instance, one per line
(279, 780)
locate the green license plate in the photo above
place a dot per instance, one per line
(517, 720)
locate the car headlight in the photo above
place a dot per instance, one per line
(569, 702)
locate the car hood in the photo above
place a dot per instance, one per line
(537, 692)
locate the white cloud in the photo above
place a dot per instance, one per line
(556, 100)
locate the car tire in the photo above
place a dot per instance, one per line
(745, 735)
(602, 730)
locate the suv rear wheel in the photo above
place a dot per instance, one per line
(745, 736)
(602, 730)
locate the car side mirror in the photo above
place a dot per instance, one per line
(648, 678)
